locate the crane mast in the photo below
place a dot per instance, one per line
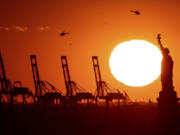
(4, 81)
(38, 90)
(67, 79)
(3, 74)
(99, 82)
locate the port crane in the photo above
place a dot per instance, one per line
(103, 90)
(9, 90)
(45, 92)
(74, 92)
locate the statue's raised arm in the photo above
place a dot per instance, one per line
(159, 41)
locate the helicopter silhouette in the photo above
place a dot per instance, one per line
(136, 12)
(64, 33)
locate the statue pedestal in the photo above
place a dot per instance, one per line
(168, 114)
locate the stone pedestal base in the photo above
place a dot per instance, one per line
(168, 114)
(168, 102)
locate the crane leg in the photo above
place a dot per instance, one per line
(23, 98)
(0, 96)
(11, 97)
(107, 103)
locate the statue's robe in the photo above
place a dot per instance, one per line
(167, 72)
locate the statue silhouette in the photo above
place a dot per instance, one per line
(166, 67)
(168, 114)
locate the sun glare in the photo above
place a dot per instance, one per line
(135, 63)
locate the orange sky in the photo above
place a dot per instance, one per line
(95, 26)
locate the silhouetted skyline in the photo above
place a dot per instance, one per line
(33, 27)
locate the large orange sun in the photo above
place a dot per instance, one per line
(135, 63)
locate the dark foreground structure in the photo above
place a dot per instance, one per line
(131, 119)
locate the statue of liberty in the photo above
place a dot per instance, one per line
(168, 115)
(166, 67)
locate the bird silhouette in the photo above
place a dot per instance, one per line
(63, 33)
(135, 12)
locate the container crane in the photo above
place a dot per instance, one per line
(73, 91)
(45, 92)
(11, 90)
(103, 90)
(5, 83)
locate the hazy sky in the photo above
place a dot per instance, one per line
(95, 27)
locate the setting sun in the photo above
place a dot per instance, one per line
(135, 63)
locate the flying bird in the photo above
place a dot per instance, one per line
(135, 12)
(63, 33)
